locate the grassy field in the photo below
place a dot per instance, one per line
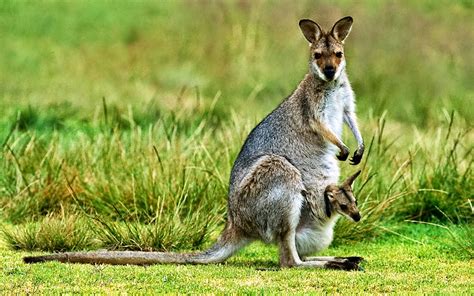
(120, 123)
(393, 265)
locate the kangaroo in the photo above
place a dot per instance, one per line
(278, 190)
(339, 200)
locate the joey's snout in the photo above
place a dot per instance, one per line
(356, 217)
(329, 72)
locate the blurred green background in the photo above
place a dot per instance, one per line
(411, 58)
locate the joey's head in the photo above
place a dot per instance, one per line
(327, 59)
(340, 199)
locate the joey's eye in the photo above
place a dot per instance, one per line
(339, 54)
(343, 207)
(317, 55)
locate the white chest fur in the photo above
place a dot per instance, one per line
(332, 108)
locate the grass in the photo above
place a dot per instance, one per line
(50, 234)
(151, 188)
(120, 124)
(393, 265)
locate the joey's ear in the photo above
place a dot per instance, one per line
(342, 28)
(351, 179)
(311, 30)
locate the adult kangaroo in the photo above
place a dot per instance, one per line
(283, 183)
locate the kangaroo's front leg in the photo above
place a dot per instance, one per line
(350, 119)
(321, 129)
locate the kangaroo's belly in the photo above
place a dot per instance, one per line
(310, 240)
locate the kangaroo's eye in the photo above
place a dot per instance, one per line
(343, 207)
(317, 55)
(339, 54)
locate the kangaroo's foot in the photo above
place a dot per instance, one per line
(331, 264)
(353, 259)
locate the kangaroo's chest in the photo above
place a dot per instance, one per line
(331, 110)
(319, 166)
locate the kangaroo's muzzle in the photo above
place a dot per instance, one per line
(329, 72)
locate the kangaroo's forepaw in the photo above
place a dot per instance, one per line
(343, 154)
(357, 157)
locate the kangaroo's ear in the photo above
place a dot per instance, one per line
(311, 30)
(342, 28)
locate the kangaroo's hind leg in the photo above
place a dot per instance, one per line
(287, 247)
(289, 258)
(267, 204)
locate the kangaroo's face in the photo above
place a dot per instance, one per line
(326, 48)
(342, 200)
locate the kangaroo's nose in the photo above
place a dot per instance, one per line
(356, 217)
(329, 72)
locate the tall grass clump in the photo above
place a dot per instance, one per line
(444, 181)
(52, 233)
(163, 187)
(154, 188)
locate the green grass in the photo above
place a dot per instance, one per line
(120, 123)
(164, 187)
(393, 265)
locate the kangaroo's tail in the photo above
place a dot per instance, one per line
(225, 247)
